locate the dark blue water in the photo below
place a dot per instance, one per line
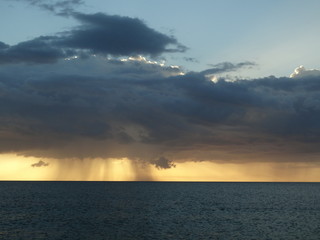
(158, 210)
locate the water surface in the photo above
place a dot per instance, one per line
(159, 210)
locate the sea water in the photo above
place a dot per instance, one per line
(159, 210)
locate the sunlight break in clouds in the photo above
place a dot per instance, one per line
(301, 72)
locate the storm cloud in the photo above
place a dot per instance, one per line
(98, 34)
(95, 107)
(91, 92)
(163, 163)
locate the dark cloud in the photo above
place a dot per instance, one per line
(142, 110)
(163, 163)
(40, 164)
(226, 67)
(3, 45)
(99, 34)
(38, 50)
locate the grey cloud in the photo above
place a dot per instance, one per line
(108, 110)
(40, 164)
(38, 50)
(190, 59)
(3, 45)
(163, 163)
(226, 67)
(58, 7)
(99, 34)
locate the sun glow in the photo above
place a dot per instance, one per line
(240, 172)
(14, 167)
(19, 168)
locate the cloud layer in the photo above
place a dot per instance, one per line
(88, 93)
(95, 107)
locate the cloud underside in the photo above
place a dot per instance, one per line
(98, 34)
(71, 96)
(94, 107)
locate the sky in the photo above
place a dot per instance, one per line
(159, 90)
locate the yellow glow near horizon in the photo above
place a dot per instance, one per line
(240, 172)
(14, 167)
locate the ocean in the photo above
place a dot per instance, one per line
(159, 210)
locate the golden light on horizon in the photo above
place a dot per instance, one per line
(15, 167)
(18, 168)
(240, 172)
